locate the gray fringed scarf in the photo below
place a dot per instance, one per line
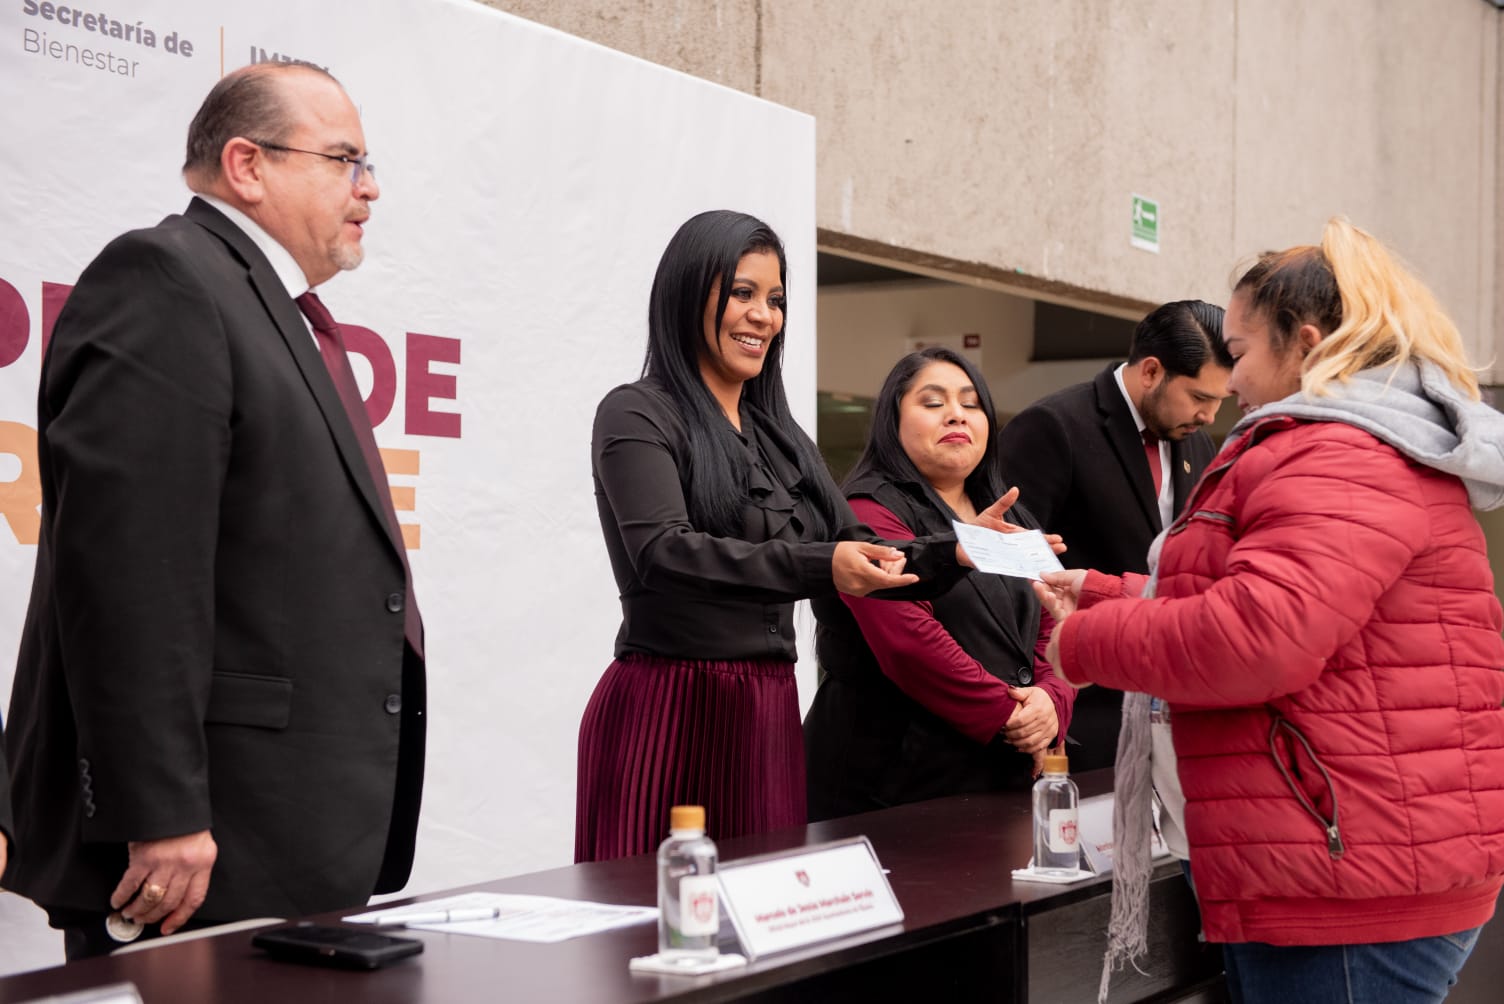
(1132, 860)
(1132, 826)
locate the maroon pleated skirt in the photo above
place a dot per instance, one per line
(664, 732)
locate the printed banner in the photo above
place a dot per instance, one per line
(529, 183)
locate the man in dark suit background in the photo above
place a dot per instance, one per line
(1081, 458)
(218, 709)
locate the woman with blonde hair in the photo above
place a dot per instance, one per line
(1324, 628)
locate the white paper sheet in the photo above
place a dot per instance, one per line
(541, 919)
(1025, 554)
(1096, 833)
(679, 967)
(1028, 874)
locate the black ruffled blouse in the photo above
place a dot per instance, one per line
(689, 594)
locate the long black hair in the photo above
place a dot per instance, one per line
(706, 249)
(885, 456)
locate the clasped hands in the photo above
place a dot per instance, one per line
(1033, 722)
(859, 568)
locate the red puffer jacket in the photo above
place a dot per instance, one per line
(1327, 635)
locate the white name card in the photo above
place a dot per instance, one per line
(811, 894)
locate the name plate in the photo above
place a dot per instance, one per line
(811, 894)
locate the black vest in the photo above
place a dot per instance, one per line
(869, 745)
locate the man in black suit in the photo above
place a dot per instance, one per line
(218, 705)
(6, 828)
(1081, 458)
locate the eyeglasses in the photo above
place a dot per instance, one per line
(358, 165)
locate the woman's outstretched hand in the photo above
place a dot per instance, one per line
(1060, 592)
(992, 519)
(859, 568)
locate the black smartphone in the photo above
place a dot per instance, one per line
(343, 947)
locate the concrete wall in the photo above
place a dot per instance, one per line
(712, 39)
(1400, 134)
(1495, 268)
(1010, 137)
(1000, 141)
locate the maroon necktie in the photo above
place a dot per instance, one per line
(332, 348)
(1151, 451)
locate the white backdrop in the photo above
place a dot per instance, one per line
(530, 181)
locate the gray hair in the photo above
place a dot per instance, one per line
(246, 103)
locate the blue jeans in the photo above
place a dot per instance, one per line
(1420, 971)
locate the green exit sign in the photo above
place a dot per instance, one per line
(1145, 234)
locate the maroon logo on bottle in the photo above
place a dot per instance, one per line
(702, 907)
(1068, 831)
(802, 876)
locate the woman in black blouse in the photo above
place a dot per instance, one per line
(718, 514)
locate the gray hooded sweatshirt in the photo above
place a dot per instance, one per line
(1418, 411)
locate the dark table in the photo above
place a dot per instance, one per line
(969, 933)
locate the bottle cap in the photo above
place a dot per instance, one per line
(121, 928)
(1057, 763)
(686, 817)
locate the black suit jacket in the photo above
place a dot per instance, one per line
(6, 826)
(690, 594)
(1078, 461)
(215, 634)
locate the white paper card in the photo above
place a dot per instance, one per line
(542, 919)
(1025, 554)
(796, 898)
(679, 967)
(114, 993)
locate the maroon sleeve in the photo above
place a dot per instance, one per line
(1099, 586)
(1061, 693)
(914, 650)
